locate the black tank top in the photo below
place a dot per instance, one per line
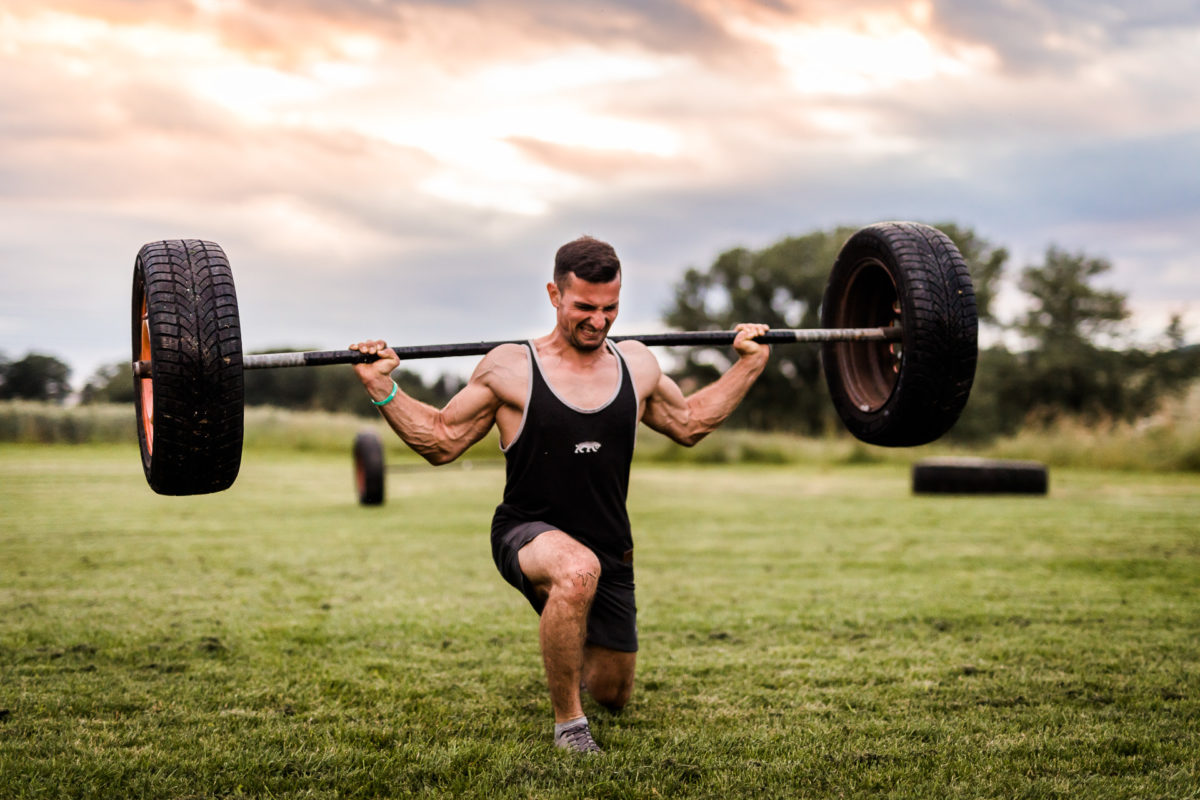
(569, 467)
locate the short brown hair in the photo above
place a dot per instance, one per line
(589, 259)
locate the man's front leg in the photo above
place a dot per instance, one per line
(567, 573)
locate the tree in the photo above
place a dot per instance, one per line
(1068, 368)
(111, 383)
(1173, 364)
(1067, 311)
(1074, 363)
(35, 377)
(782, 285)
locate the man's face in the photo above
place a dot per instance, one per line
(585, 310)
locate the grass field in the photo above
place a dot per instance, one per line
(807, 631)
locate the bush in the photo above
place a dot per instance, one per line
(45, 423)
(1168, 440)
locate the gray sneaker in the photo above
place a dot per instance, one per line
(578, 739)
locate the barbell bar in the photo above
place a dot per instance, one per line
(899, 346)
(322, 358)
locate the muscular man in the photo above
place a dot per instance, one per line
(567, 407)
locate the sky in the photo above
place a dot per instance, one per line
(406, 170)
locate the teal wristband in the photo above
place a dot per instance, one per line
(390, 397)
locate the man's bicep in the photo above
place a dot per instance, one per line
(667, 409)
(493, 384)
(474, 402)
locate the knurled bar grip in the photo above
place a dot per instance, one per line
(782, 336)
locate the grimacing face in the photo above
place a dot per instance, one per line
(585, 310)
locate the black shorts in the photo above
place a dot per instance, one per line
(612, 622)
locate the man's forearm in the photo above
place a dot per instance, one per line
(413, 421)
(713, 404)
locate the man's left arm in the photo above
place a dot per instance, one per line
(687, 420)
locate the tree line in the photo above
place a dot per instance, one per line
(330, 388)
(1069, 352)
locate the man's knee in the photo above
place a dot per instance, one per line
(613, 695)
(608, 676)
(561, 568)
(576, 578)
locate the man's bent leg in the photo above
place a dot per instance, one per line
(566, 573)
(608, 675)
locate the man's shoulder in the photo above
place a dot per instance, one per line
(508, 353)
(504, 370)
(637, 353)
(643, 364)
(505, 360)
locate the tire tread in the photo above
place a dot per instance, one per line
(197, 366)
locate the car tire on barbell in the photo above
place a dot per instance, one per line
(369, 469)
(189, 409)
(968, 475)
(911, 392)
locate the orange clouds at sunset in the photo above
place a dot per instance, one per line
(382, 153)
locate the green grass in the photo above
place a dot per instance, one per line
(807, 631)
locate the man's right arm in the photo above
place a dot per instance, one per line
(440, 436)
(687, 420)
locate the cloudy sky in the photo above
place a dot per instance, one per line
(407, 169)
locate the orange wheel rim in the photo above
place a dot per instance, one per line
(146, 385)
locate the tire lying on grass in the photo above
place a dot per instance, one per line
(369, 469)
(979, 476)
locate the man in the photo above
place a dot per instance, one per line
(567, 407)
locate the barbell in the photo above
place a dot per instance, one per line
(898, 349)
